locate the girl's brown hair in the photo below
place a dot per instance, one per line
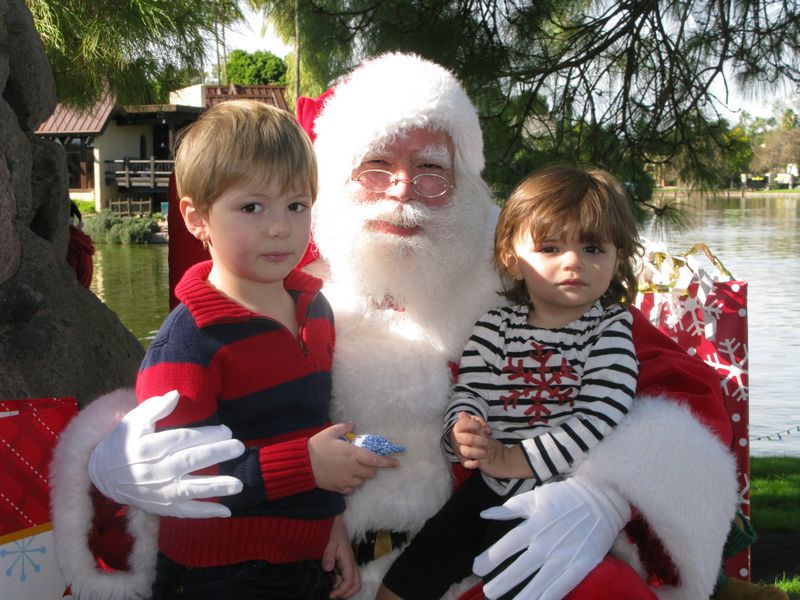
(558, 202)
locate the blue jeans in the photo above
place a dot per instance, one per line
(250, 580)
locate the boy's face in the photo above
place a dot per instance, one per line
(256, 234)
(564, 277)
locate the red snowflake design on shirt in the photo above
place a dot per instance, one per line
(538, 383)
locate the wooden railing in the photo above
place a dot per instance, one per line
(131, 207)
(139, 173)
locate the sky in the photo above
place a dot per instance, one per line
(247, 36)
(759, 106)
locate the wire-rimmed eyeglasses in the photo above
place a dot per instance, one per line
(427, 185)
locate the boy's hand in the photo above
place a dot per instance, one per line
(470, 438)
(339, 466)
(338, 558)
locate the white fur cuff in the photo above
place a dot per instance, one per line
(72, 509)
(681, 479)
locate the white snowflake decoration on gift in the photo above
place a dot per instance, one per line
(22, 557)
(735, 371)
(711, 314)
(672, 309)
(744, 498)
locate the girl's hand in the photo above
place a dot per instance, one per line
(505, 462)
(470, 438)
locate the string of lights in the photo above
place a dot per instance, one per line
(778, 435)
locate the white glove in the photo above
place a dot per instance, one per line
(134, 465)
(569, 527)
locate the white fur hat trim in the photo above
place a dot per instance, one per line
(387, 95)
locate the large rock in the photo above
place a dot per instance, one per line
(49, 187)
(30, 88)
(73, 345)
(56, 337)
(10, 248)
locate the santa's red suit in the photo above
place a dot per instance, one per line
(404, 309)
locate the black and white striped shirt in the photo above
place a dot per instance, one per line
(558, 392)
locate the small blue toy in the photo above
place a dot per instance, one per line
(376, 443)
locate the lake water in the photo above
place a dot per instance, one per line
(133, 281)
(758, 240)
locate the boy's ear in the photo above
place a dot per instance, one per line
(195, 222)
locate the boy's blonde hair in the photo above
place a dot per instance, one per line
(238, 141)
(558, 202)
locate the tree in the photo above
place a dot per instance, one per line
(715, 157)
(739, 155)
(638, 72)
(779, 148)
(788, 119)
(756, 127)
(260, 67)
(124, 48)
(309, 85)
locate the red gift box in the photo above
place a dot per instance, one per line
(29, 430)
(704, 309)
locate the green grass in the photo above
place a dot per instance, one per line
(775, 493)
(775, 504)
(790, 585)
(778, 191)
(766, 191)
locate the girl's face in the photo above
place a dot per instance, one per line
(564, 277)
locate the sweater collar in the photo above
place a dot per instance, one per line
(582, 323)
(209, 307)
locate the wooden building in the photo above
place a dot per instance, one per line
(120, 157)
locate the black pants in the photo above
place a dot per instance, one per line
(442, 553)
(250, 580)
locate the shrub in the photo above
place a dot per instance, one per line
(108, 227)
(85, 206)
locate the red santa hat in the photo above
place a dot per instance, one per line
(382, 98)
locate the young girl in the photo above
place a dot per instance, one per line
(543, 381)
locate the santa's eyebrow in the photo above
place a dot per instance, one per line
(375, 151)
(438, 153)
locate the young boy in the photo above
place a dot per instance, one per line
(540, 382)
(250, 346)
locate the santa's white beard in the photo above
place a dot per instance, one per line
(416, 272)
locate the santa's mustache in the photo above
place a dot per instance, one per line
(402, 214)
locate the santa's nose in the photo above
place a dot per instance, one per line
(402, 189)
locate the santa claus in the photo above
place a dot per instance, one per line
(405, 225)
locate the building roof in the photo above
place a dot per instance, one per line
(73, 121)
(151, 114)
(91, 121)
(271, 94)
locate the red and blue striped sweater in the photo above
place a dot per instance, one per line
(249, 372)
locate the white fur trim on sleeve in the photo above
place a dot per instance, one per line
(72, 510)
(681, 479)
